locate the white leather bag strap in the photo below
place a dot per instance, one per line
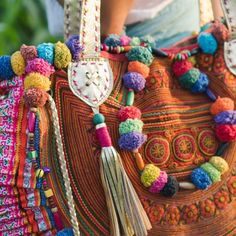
(83, 17)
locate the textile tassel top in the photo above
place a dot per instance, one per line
(126, 211)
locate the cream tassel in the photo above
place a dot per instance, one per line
(125, 209)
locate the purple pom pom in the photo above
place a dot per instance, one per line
(132, 141)
(134, 80)
(226, 117)
(74, 45)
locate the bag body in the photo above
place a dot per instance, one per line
(180, 138)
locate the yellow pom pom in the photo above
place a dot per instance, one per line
(193, 60)
(220, 164)
(18, 63)
(36, 80)
(149, 174)
(62, 55)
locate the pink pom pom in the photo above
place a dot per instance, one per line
(181, 67)
(125, 40)
(159, 184)
(35, 97)
(28, 52)
(41, 66)
(129, 112)
(226, 133)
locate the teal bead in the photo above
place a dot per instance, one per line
(130, 98)
(32, 154)
(98, 119)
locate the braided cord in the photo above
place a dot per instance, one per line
(64, 170)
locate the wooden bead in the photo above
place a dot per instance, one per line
(33, 109)
(139, 160)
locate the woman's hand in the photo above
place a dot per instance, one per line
(217, 9)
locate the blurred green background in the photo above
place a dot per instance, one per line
(22, 21)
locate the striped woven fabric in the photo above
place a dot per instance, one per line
(180, 137)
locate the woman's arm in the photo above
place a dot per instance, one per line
(217, 9)
(113, 15)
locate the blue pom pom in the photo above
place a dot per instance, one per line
(207, 43)
(66, 232)
(6, 71)
(112, 40)
(73, 44)
(201, 85)
(200, 178)
(46, 52)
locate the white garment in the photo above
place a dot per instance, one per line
(145, 9)
(141, 11)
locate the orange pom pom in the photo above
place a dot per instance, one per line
(139, 67)
(221, 104)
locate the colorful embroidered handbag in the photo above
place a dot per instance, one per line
(50, 153)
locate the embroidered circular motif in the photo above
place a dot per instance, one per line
(184, 147)
(157, 150)
(207, 142)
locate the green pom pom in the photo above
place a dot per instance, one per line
(188, 79)
(135, 41)
(213, 173)
(140, 54)
(98, 119)
(131, 125)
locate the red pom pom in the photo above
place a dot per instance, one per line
(35, 97)
(129, 112)
(28, 52)
(226, 133)
(181, 67)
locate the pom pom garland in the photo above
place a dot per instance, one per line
(140, 54)
(201, 84)
(35, 97)
(149, 175)
(188, 79)
(112, 40)
(220, 164)
(129, 112)
(226, 117)
(221, 104)
(36, 80)
(130, 125)
(213, 173)
(226, 132)
(181, 67)
(132, 141)
(134, 80)
(46, 52)
(200, 178)
(62, 55)
(6, 71)
(125, 40)
(159, 183)
(171, 187)
(28, 52)
(18, 63)
(73, 44)
(40, 66)
(136, 66)
(207, 43)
